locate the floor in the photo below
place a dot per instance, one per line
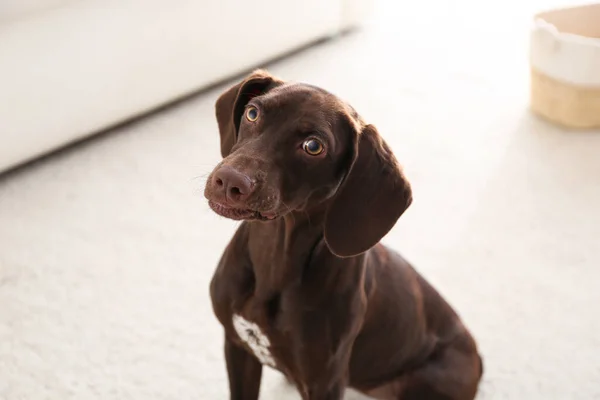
(107, 248)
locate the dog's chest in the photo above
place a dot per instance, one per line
(255, 338)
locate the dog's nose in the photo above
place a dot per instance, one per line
(235, 185)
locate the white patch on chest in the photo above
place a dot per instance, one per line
(254, 337)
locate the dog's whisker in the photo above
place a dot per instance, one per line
(308, 217)
(289, 209)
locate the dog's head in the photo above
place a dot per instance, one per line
(290, 147)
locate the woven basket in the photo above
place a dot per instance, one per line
(565, 66)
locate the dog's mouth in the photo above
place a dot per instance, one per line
(239, 214)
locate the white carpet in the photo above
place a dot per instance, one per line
(106, 249)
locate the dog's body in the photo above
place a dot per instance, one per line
(304, 286)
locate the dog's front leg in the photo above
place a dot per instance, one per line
(244, 372)
(333, 391)
(326, 372)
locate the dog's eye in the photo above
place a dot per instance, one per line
(313, 147)
(252, 114)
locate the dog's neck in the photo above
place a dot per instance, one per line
(303, 233)
(306, 226)
(283, 259)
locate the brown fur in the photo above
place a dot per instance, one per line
(339, 308)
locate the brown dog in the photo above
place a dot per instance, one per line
(304, 286)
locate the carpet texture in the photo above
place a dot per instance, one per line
(107, 248)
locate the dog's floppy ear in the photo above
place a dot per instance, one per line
(230, 105)
(370, 200)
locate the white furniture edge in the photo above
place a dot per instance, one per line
(69, 72)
